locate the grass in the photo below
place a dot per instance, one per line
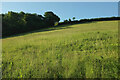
(87, 50)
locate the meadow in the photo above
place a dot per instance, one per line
(88, 50)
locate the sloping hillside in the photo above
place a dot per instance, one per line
(83, 50)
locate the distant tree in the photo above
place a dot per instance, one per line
(22, 13)
(69, 20)
(51, 18)
(73, 18)
(66, 21)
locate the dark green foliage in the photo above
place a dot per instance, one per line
(69, 20)
(73, 18)
(15, 23)
(66, 21)
(51, 18)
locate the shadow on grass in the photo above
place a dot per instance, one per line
(41, 30)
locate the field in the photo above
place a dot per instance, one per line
(88, 50)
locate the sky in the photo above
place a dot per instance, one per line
(60, 0)
(65, 10)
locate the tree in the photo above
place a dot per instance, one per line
(69, 20)
(66, 21)
(51, 18)
(73, 18)
(22, 13)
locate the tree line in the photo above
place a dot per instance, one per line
(69, 21)
(15, 23)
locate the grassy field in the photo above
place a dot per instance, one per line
(87, 50)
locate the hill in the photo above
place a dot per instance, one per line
(88, 50)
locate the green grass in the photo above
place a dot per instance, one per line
(78, 51)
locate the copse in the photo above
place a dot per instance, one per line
(15, 23)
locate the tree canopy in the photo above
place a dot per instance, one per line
(14, 23)
(51, 18)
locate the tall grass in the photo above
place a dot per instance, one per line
(79, 51)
